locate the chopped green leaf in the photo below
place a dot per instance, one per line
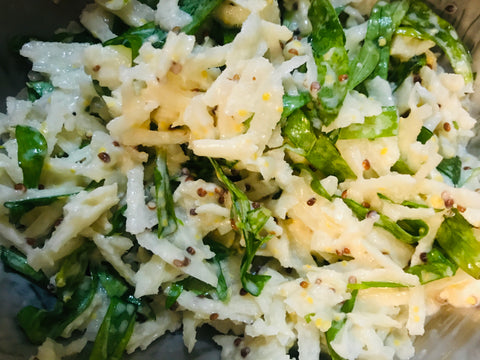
(20, 207)
(200, 10)
(400, 70)
(118, 221)
(32, 150)
(383, 125)
(15, 261)
(437, 266)
(330, 55)
(409, 231)
(375, 284)
(294, 102)
(424, 135)
(115, 331)
(167, 220)
(250, 221)
(337, 325)
(455, 236)
(425, 24)
(38, 324)
(318, 150)
(452, 168)
(36, 89)
(134, 38)
(73, 269)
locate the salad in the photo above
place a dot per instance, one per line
(292, 174)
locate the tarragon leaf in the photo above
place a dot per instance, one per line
(250, 221)
(32, 150)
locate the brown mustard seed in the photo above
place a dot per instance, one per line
(214, 316)
(40, 187)
(311, 201)
(31, 241)
(96, 68)
(177, 30)
(460, 208)
(151, 205)
(104, 157)
(255, 205)
(116, 143)
(371, 214)
(191, 250)
(236, 77)
(304, 284)
(20, 187)
(447, 127)
(243, 292)
(293, 51)
(245, 351)
(221, 199)
(447, 200)
(181, 263)
(201, 192)
(344, 194)
(237, 341)
(176, 68)
(314, 86)
(193, 212)
(417, 78)
(352, 279)
(346, 251)
(318, 281)
(451, 8)
(366, 204)
(342, 77)
(423, 256)
(449, 203)
(366, 164)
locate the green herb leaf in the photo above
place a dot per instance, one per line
(318, 150)
(134, 38)
(14, 260)
(437, 266)
(32, 150)
(424, 135)
(38, 324)
(36, 89)
(294, 102)
(452, 168)
(118, 221)
(250, 221)
(315, 183)
(383, 125)
(20, 207)
(425, 24)
(167, 220)
(409, 231)
(455, 236)
(400, 70)
(115, 331)
(200, 10)
(337, 325)
(375, 284)
(330, 55)
(73, 269)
